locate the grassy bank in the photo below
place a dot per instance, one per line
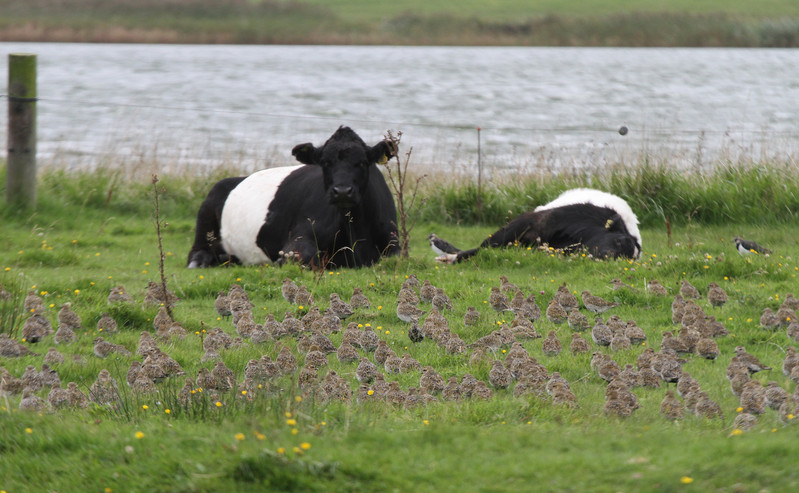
(94, 232)
(772, 23)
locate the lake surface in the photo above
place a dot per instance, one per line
(189, 107)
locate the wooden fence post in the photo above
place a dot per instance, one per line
(21, 164)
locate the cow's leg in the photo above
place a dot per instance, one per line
(207, 250)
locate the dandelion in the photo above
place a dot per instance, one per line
(736, 432)
(291, 422)
(298, 398)
(239, 436)
(426, 422)
(260, 436)
(243, 392)
(145, 407)
(686, 480)
(218, 404)
(167, 411)
(294, 431)
(29, 431)
(739, 409)
(305, 445)
(77, 291)
(139, 435)
(370, 392)
(288, 414)
(298, 450)
(281, 450)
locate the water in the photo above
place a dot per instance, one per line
(199, 107)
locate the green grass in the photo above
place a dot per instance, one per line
(499, 22)
(79, 243)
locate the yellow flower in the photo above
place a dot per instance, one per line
(281, 450)
(427, 422)
(294, 431)
(167, 411)
(291, 422)
(239, 436)
(298, 398)
(29, 431)
(77, 291)
(218, 404)
(305, 445)
(288, 414)
(260, 436)
(145, 407)
(739, 409)
(736, 432)
(297, 450)
(139, 435)
(108, 490)
(686, 480)
(370, 392)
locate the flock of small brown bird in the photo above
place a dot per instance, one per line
(427, 311)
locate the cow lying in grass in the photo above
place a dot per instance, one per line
(335, 211)
(601, 223)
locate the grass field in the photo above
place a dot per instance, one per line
(93, 232)
(500, 22)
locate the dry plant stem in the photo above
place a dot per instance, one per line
(161, 257)
(397, 179)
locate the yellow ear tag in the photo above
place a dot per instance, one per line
(609, 224)
(383, 160)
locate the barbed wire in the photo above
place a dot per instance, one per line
(460, 127)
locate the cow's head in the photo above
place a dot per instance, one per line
(614, 245)
(346, 162)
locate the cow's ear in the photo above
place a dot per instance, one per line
(382, 152)
(306, 153)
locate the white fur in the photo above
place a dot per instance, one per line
(599, 199)
(245, 212)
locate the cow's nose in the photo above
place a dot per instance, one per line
(342, 191)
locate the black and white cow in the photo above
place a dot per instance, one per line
(336, 210)
(602, 223)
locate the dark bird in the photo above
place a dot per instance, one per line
(746, 247)
(441, 246)
(415, 332)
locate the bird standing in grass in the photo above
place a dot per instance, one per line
(750, 361)
(499, 377)
(716, 295)
(339, 307)
(688, 291)
(498, 300)
(566, 298)
(288, 289)
(358, 299)
(107, 324)
(578, 321)
(430, 381)
(556, 313)
(551, 345)
(746, 247)
(67, 316)
(654, 287)
(222, 304)
(408, 312)
(471, 316)
(415, 332)
(671, 407)
(441, 246)
(427, 291)
(596, 304)
(578, 345)
(366, 371)
(601, 333)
